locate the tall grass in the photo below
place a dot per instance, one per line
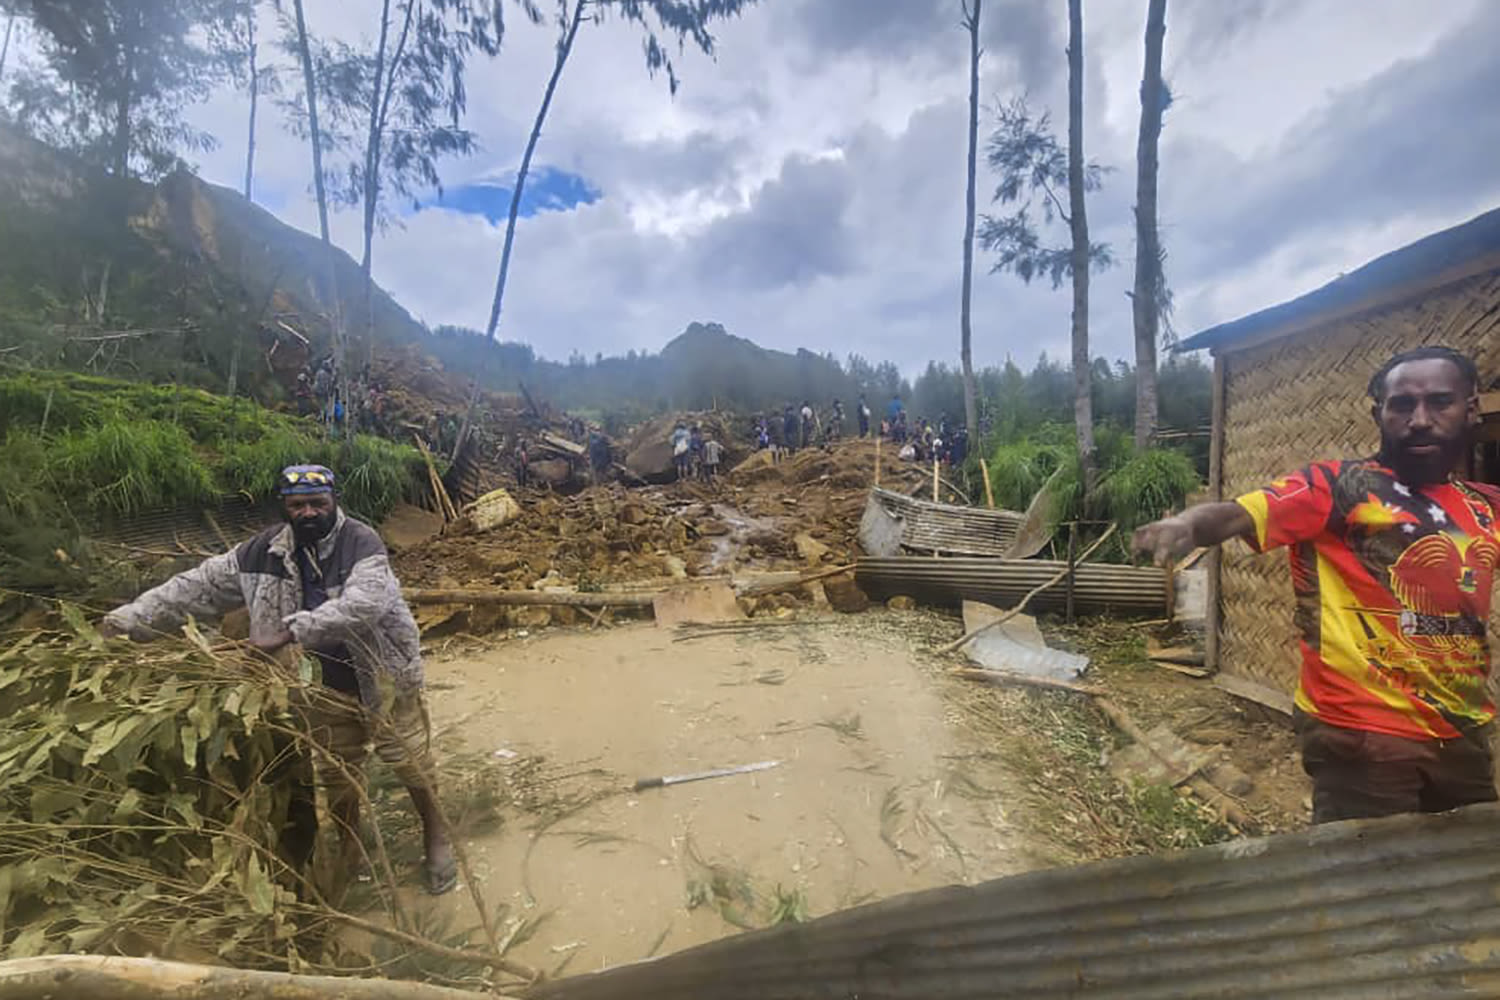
(123, 466)
(1133, 489)
(113, 448)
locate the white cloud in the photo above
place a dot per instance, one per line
(806, 188)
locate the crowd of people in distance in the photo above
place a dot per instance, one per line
(919, 441)
(341, 404)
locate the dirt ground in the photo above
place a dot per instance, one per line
(894, 775)
(877, 791)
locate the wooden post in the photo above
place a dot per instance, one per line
(877, 461)
(989, 492)
(1072, 560)
(934, 479)
(1216, 492)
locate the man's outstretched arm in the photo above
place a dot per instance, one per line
(210, 588)
(1205, 525)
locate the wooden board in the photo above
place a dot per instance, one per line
(696, 602)
(1164, 759)
(1243, 687)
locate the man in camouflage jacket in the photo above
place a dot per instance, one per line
(323, 581)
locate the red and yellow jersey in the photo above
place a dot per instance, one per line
(1393, 592)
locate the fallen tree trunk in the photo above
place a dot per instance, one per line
(594, 599)
(775, 587)
(109, 977)
(599, 599)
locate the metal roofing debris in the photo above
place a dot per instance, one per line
(1427, 263)
(934, 527)
(236, 517)
(1003, 582)
(1402, 907)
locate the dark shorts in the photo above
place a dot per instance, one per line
(1358, 774)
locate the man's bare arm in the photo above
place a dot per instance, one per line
(1205, 525)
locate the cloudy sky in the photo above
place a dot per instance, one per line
(805, 188)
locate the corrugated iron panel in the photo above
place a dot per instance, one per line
(940, 527)
(237, 516)
(1407, 907)
(1003, 582)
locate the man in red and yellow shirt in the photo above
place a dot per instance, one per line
(1393, 562)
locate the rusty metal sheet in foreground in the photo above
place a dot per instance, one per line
(1407, 907)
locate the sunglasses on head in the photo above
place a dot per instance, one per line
(304, 478)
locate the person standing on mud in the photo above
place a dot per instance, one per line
(599, 458)
(789, 430)
(695, 452)
(808, 417)
(323, 581)
(836, 422)
(523, 465)
(713, 454)
(895, 412)
(1393, 562)
(681, 459)
(323, 390)
(863, 414)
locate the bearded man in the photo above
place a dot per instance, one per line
(322, 581)
(1392, 561)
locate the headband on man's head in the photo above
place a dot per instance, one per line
(296, 479)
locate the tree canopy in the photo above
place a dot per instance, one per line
(116, 76)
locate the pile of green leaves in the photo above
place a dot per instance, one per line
(143, 795)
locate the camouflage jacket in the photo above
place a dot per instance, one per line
(364, 611)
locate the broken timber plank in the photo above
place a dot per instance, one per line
(519, 597)
(1243, 687)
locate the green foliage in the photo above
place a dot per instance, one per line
(133, 800)
(118, 76)
(123, 466)
(1146, 487)
(1133, 488)
(114, 448)
(1018, 469)
(33, 526)
(1033, 169)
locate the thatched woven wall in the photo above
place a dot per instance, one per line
(1301, 398)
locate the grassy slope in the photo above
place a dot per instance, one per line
(112, 447)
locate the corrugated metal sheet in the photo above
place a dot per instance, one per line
(945, 528)
(1407, 907)
(1003, 582)
(237, 516)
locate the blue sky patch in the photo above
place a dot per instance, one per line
(548, 189)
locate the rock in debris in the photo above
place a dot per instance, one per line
(901, 603)
(530, 616)
(809, 548)
(844, 595)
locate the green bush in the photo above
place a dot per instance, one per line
(1133, 489)
(1145, 487)
(123, 467)
(113, 448)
